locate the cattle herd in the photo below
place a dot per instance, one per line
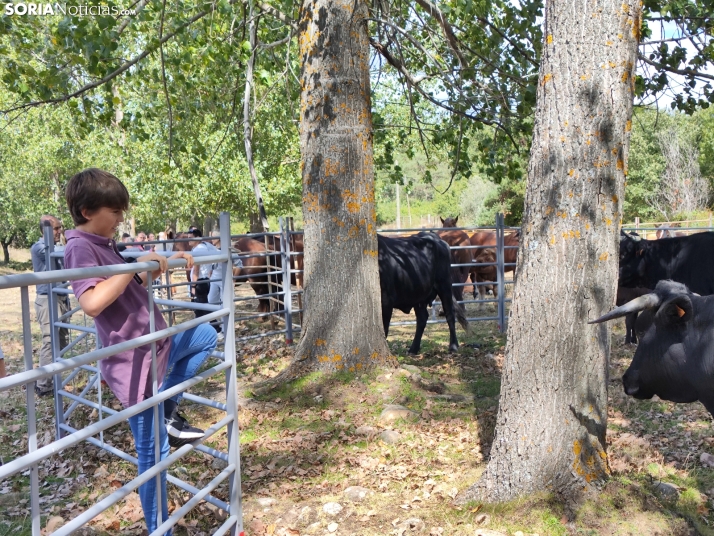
(413, 271)
(669, 283)
(665, 291)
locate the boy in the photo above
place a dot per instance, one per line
(119, 304)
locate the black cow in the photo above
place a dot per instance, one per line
(675, 357)
(686, 259)
(625, 295)
(412, 272)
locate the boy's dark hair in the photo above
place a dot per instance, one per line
(93, 189)
(196, 233)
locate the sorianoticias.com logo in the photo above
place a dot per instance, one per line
(36, 9)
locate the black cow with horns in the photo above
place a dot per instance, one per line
(686, 259)
(412, 272)
(675, 357)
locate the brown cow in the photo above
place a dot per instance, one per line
(488, 255)
(256, 267)
(459, 274)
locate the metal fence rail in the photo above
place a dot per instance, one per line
(68, 436)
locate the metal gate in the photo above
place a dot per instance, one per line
(64, 369)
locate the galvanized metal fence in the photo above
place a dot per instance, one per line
(65, 369)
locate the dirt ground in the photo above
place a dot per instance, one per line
(318, 456)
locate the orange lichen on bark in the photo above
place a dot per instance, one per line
(604, 256)
(311, 202)
(547, 78)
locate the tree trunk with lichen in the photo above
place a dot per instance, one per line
(342, 329)
(550, 431)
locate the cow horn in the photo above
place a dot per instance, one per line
(648, 301)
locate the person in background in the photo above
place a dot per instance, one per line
(152, 237)
(215, 292)
(42, 307)
(201, 273)
(141, 237)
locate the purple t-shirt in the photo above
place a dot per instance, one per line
(127, 373)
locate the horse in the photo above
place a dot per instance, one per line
(255, 270)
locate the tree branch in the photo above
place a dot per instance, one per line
(278, 15)
(247, 131)
(163, 79)
(139, 6)
(414, 82)
(683, 72)
(446, 27)
(118, 71)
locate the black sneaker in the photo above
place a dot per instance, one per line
(180, 432)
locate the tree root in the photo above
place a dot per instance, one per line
(295, 370)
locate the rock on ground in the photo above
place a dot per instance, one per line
(392, 412)
(332, 508)
(667, 491)
(357, 493)
(390, 437)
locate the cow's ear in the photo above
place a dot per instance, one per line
(442, 220)
(675, 311)
(456, 220)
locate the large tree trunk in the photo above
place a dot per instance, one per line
(343, 320)
(550, 431)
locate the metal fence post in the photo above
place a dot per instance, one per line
(229, 350)
(31, 418)
(49, 240)
(500, 273)
(287, 289)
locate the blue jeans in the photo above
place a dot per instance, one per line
(189, 350)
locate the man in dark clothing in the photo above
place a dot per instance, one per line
(42, 307)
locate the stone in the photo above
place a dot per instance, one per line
(219, 464)
(413, 524)
(356, 493)
(483, 519)
(392, 412)
(413, 369)
(332, 508)
(518, 533)
(365, 430)
(266, 501)
(488, 532)
(390, 437)
(307, 516)
(402, 373)
(707, 459)
(53, 524)
(312, 528)
(667, 491)
(332, 527)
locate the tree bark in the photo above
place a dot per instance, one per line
(6, 251)
(550, 431)
(343, 320)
